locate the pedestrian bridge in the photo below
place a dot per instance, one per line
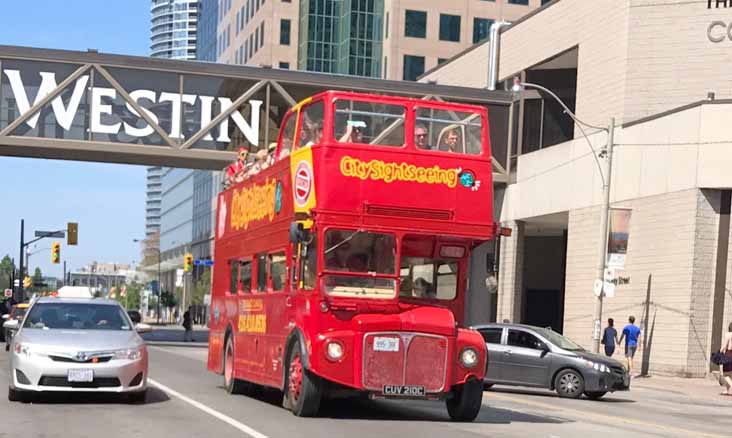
(90, 106)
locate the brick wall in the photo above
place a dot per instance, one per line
(670, 263)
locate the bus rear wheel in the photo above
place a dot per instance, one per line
(231, 383)
(303, 390)
(466, 401)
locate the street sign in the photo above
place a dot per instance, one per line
(597, 287)
(8, 293)
(203, 262)
(609, 289)
(59, 234)
(16, 282)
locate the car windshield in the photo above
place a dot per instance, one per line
(560, 341)
(77, 316)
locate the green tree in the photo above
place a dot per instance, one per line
(37, 280)
(202, 287)
(7, 267)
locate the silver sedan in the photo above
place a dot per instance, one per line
(71, 345)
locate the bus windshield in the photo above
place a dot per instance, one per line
(360, 252)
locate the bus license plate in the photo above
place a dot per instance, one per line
(386, 344)
(83, 375)
(404, 390)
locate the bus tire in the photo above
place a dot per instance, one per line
(231, 383)
(467, 399)
(303, 389)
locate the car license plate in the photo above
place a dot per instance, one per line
(82, 375)
(386, 344)
(404, 390)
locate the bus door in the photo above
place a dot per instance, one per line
(246, 325)
(269, 343)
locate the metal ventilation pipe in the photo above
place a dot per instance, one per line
(494, 47)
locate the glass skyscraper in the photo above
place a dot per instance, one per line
(341, 36)
(173, 29)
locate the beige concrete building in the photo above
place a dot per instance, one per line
(661, 70)
(392, 39)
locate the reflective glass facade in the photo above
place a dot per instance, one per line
(341, 36)
(173, 29)
(206, 35)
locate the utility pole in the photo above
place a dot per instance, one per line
(64, 278)
(607, 154)
(19, 295)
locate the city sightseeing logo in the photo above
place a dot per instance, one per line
(253, 203)
(378, 170)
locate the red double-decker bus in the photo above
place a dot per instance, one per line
(342, 267)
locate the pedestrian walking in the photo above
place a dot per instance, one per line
(188, 326)
(610, 337)
(631, 333)
(726, 369)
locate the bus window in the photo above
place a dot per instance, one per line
(309, 262)
(261, 273)
(428, 278)
(245, 276)
(369, 123)
(311, 124)
(360, 251)
(278, 270)
(448, 131)
(233, 276)
(288, 136)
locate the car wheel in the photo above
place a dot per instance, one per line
(303, 390)
(231, 383)
(16, 396)
(136, 398)
(466, 401)
(569, 384)
(595, 395)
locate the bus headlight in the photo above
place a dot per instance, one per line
(334, 350)
(469, 357)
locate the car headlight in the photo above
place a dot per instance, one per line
(601, 367)
(23, 349)
(334, 350)
(129, 353)
(469, 357)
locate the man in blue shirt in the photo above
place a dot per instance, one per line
(631, 333)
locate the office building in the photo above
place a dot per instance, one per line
(152, 201)
(668, 90)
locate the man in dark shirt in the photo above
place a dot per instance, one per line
(610, 337)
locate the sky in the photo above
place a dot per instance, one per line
(107, 200)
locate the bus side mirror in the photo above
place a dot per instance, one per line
(295, 232)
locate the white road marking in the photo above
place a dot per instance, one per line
(214, 413)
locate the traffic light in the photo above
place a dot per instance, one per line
(56, 253)
(72, 233)
(188, 262)
(27, 282)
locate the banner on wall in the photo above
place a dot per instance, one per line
(619, 232)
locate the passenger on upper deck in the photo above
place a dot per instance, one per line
(452, 141)
(354, 132)
(236, 170)
(315, 133)
(421, 137)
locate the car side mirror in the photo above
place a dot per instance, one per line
(6, 316)
(143, 328)
(11, 324)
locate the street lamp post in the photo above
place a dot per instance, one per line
(605, 168)
(160, 291)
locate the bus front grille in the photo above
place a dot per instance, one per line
(421, 360)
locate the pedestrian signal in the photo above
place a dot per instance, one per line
(56, 253)
(188, 262)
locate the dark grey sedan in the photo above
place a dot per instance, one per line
(523, 355)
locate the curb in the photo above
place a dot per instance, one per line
(177, 344)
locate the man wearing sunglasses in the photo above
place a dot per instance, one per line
(421, 137)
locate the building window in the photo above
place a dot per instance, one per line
(413, 67)
(261, 35)
(415, 24)
(256, 39)
(519, 2)
(284, 65)
(450, 27)
(246, 52)
(285, 32)
(481, 29)
(386, 71)
(441, 61)
(386, 26)
(246, 14)
(238, 16)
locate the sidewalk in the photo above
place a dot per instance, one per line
(699, 388)
(172, 335)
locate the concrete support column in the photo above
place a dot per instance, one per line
(510, 277)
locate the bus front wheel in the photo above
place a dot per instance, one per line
(303, 390)
(466, 401)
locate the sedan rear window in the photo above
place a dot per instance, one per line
(77, 316)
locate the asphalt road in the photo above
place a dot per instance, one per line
(187, 401)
